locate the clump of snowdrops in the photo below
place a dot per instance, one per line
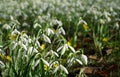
(46, 53)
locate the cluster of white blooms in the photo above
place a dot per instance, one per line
(45, 44)
(46, 10)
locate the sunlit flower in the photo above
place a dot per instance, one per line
(55, 65)
(69, 43)
(42, 46)
(54, 30)
(8, 58)
(105, 39)
(13, 37)
(85, 26)
(14, 34)
(45, 67)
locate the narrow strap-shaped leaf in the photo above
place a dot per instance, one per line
(42, 71)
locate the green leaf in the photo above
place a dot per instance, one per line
(42, 71)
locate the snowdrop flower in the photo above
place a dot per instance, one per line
(56, 22)
(84, 58)
(102, 21)
(61, 30)
(38, 44)
(62, 48)
(117, 25)
(81, 21)
(80, 62)
(51, 52)
(46, 38)
(49, 31)
(6, 26)
(14, 45)
(62, 68)
(30, 50)
(15, 32)
(2, 65)
(45, 62)
(2, 52)
(29, 40)
(36, 25)
(24, 46)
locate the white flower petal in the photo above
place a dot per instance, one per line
(80, 62)
(15, 45)
(56, 69)
(35, 50)
(48, 53)
(37, 25)
(56, 54)
(64, 69)
(49, 31)
(84, 58)
(45, 62)
(71, 48)
(24, 46)
(65, 47)
(62, 31)
(59, 48)
(2, 64)
(6, 26)
(15, 32)
(36, 63)
(46, 38)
